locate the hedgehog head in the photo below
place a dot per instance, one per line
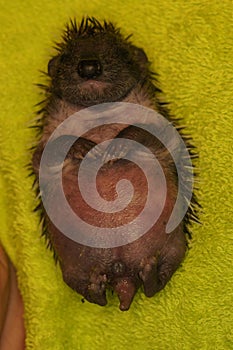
(95, 64)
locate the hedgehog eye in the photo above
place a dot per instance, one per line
(64, 58)
(54, 63)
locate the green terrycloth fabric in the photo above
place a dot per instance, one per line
(190, 44)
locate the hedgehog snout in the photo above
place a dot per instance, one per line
(89, 68)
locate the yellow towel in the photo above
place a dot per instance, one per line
(190, 44)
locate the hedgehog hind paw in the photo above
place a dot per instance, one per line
(149, 276)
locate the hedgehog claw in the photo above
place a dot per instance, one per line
(115, 151)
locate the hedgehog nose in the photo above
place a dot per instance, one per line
(89, 68)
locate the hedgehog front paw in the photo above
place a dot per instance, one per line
(115, 151)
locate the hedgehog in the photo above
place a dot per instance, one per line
(95, 64)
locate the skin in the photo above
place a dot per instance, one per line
(82, 74)
(12, 332)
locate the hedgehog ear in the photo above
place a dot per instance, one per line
(52, 66)
(140, 55)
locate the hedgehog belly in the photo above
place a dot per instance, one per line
(149, 261)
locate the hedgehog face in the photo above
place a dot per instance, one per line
(96, 64)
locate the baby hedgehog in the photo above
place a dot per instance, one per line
(95, 64)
